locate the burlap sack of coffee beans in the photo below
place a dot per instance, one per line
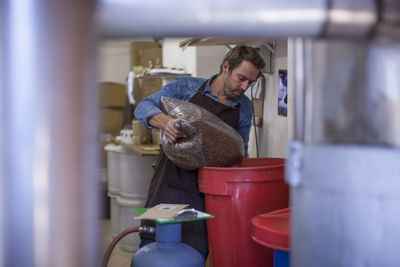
(209, 140)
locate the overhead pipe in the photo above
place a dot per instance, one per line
(253, 18)
(211, 18)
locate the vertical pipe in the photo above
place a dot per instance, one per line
(308, 93)
(2, 20)
(291, 87)
(299, 88)
(17, 122)
(48, 133)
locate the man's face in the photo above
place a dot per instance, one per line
(240, 79)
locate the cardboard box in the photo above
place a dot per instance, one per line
(156, 136)
(141, 135)
(146, 86)
(112, 95)
(144, 51)
(111, 120)
(146, 54)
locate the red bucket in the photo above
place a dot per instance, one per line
(234, 195)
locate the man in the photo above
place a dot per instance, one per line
(222, 95)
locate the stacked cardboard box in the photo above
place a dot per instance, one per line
(148, 55)
(112, 100)
(145, 53)
(112, 103)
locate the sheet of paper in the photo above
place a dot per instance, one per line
(162, 211)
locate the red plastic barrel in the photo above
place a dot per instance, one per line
(234, 196)
(272, 229)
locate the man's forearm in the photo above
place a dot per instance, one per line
(165, 122)
(159, 120)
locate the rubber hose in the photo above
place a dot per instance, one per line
(114, 242)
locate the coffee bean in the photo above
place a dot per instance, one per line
(209, 141)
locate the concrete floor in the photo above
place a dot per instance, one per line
(119, 255)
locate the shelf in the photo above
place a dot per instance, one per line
(143, 149)
(207, 41)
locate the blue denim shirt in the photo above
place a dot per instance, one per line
(184, 88)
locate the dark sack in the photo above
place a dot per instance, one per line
(209, 140)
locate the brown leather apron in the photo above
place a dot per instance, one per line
(172, 184)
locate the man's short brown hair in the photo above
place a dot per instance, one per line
(236, 55)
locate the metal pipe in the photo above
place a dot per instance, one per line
(353, 18)
(389, 18)
(309, 93)
(48, 133)
(299, 88)
(2, 19)
(253, 18)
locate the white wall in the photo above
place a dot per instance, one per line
(198, 61)
(273, 135)
(178, 58)
(275, 128)
(208, 60)
(114, 57)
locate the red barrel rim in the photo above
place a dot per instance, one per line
(246, 168)
(271, 230)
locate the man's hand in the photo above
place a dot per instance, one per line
(165, 122)
(171, 133)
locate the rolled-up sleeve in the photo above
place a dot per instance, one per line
(151, 105)
(146, 109)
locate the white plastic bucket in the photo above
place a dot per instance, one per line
(126, 220)
(113, 167)
(136, 172)
(114, 214)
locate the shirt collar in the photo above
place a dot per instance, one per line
(207, 90)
